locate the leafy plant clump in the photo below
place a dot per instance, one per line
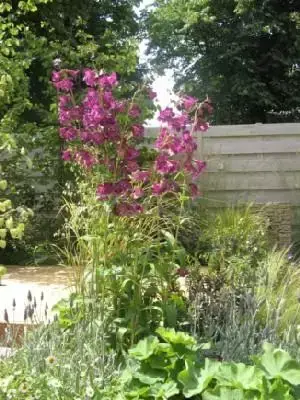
(173, 366)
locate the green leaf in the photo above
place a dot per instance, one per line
(240, 376)
(224, 393)
(278, 363)
(165, 390)
(169, 237)
(149, 376)
(170, 336)
(145, 348)
(3, 233)
(3, 185)
(195, 380)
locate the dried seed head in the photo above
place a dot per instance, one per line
(29, 296)
(25, 314)
(42, 296)
(14, 303)
(6, 319)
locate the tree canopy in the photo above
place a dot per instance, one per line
(245, 54)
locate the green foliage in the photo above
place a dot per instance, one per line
(11, 219)
(33, 34)
(174, 368)
(230, 241)
(125, 267)
(3, 271)
(243, 54)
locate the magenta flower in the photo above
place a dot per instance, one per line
(131, 166)
(189, 102)
(193, 190)
(201, 126)
(126, 209)
(195, 167)
(92, 137)
(64, 101)
(140, 176)
(151, 94)
(108, 81)
(89, 77)
(65, 85)
(163, 165)
(131, 153)
(68, 115)
(134, 111)
(105, 190)
(188, 143)
(137, 130)
(167, 142)
(66, 155)
(179, 122)
(166, 115)
(122, 187)
(55, 76)
(68, 133)
(85, 159)
(163, 186)
(109, 101)
(137, 193)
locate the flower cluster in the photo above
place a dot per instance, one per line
(102, 131)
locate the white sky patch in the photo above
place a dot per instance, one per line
(162, 85)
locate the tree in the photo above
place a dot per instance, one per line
(245, 54)
(33, 33)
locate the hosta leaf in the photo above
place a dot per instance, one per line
(145, 348)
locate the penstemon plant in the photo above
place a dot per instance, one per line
(105, 134)
(133, 257)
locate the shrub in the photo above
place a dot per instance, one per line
(173, 366)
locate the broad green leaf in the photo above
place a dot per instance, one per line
(278, 363)
(150, 376)
(240, 376)
(280, 390)
(195, 380)
(170, 336)
(165, 390)
(3, 233)
(145, 348)
(3, 184)
(224, 393)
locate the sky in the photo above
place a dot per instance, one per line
(162, 85)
